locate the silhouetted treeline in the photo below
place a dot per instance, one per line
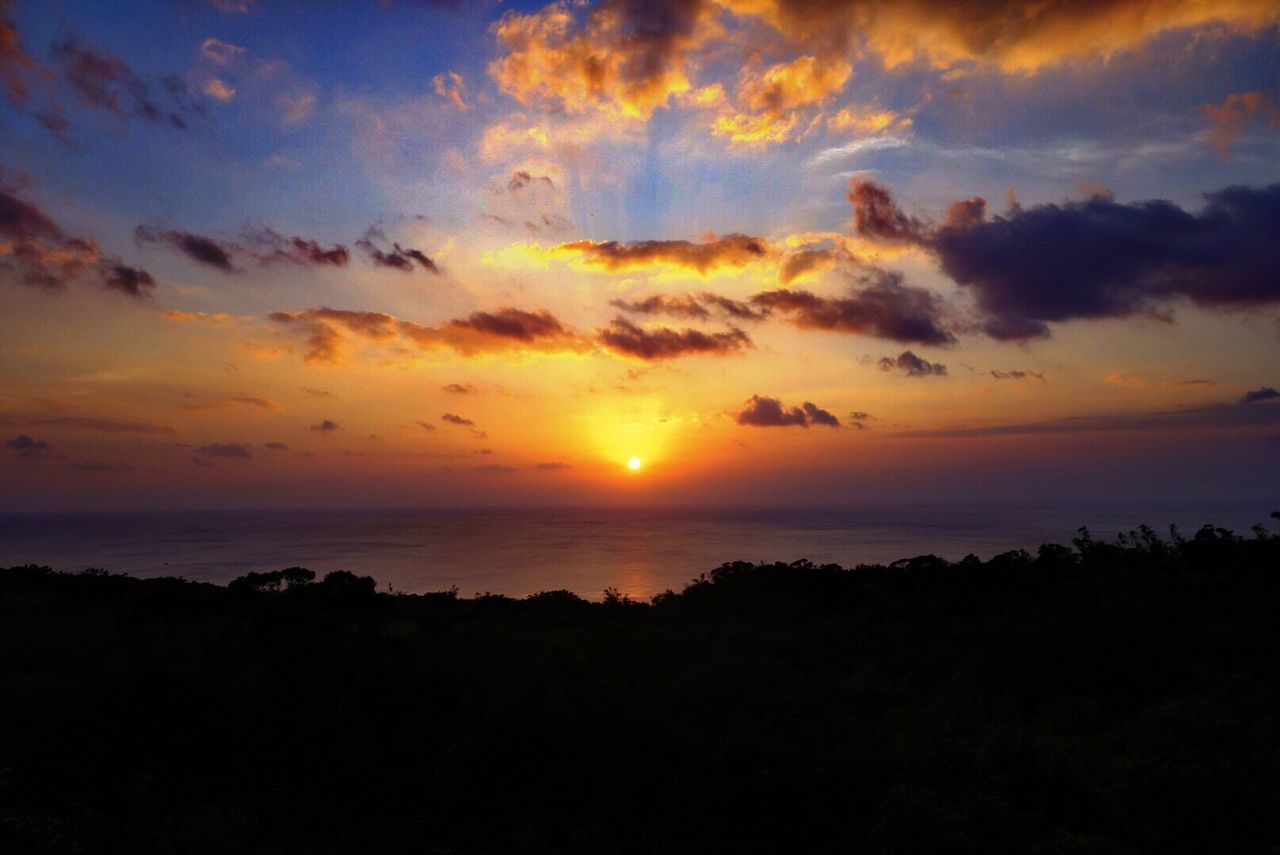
(1117, 696)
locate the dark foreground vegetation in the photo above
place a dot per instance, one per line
(1116, 697)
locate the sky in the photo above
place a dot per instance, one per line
(377, 253)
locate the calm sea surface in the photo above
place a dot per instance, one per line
(519, 552)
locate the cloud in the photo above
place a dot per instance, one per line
(1100, 258)
(622, 59)
(265, 247)
(271, 246)
(1007, 34)
(24, 446)
(326, 426)
(696, 306)
(276, 446)
(886, 309)
(770, 412)
(1266, 393)
(1228, 120)
(36, 252)
(450, 86)
(397, 258)
(1095, 258)
(729, 251)
(1016, 374)
(796, 264)
(505, 329)
(270, 88)
(771, 101)
(234, 7)
(521, 179)
(875, 214)
(235, 401)
(1214, 416)
(460, 389)
(553, 466)
(624, 337)
(495, 469)
(105, 82)
(99, 466)
(425, 425)
(911, 365)
(200, 249)
(454, 419)
(227, 450)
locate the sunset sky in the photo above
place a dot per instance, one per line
(273, 253)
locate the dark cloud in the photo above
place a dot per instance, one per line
(1100, 258)
(770, 412)
(453, 419)
(875, 214)
(460, 389)
(228, 450)
(397, 258)
(1016, 374)
(326, 426)
(272, 246)
(911, 365)
(696, 306)
(105, 82)
(128, 280)
(99, 466)
(479, 332)
(553, 466)
(521, 179)
(40, 254)
(859, 419)
(425, 425)
(24, 446)
(819, 416)
(513, 323)
(731, 251)
(276, 446)
(624, 337)
(1266, 393)
(203, 250)
(886, 309)
(1221, 416)
(495, 469)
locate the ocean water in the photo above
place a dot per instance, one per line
(640, 552)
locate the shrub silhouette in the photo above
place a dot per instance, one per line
(1112, 696)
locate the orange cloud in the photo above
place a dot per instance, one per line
(1229, 119)
(729, 251)
(625, 59)
(1010, 34)
(480, 332)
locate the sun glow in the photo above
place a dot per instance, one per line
(634, 464)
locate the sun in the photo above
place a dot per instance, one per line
(634, 464)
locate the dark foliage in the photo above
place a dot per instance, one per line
(1116, 697)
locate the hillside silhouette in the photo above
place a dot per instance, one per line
(1111, 696)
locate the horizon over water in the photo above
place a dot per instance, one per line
(520, 551)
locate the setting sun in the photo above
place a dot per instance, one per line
(634, 464)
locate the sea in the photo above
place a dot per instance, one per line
(517, 552)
